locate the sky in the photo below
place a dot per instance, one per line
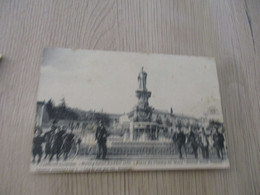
(107, 81)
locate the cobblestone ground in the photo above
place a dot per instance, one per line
(189, 158)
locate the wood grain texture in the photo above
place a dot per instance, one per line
(226, 30)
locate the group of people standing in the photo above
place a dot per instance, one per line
(58, 140)
(199, 139)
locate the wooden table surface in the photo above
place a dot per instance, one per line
(228, 30)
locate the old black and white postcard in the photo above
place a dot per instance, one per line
(105, 111)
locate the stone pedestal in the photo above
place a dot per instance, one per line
(139, 129)
(143, 111)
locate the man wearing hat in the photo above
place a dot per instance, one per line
(180, 140)
(48, 136)
(101, 137)
(37, 145)
(219, 139)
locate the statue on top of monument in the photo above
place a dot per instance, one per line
(142, 80)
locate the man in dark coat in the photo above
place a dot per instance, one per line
(219, 139)
(79, 142)
(180, 140)
(204, 144)
(192, 139)
(37, 145)
(48, 136)
(68, 141)
(101, 137)
(57, 143)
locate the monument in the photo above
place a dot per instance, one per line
(143, 111)
(141, 126)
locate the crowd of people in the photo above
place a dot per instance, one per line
(200, 139)
(56, 142)
(59, 140)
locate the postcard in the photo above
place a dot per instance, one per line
(112, 111)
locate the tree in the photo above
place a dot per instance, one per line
(50, 108)
(61, 111)
(214, 124)
(62, 104)
(70, 114)
(97, 116)
(102, 117)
